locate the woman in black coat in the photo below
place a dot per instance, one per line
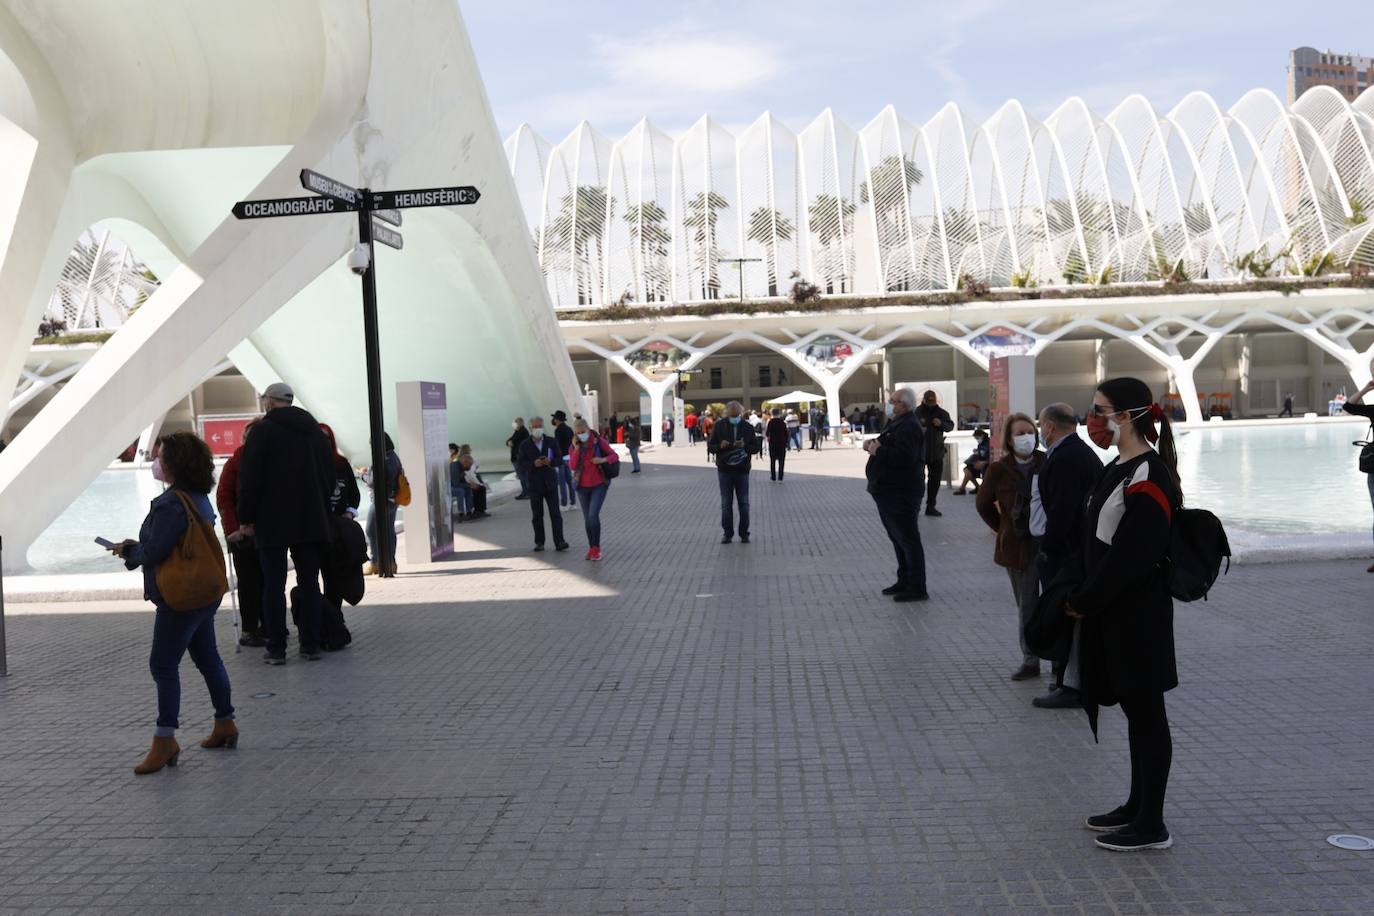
(1124, 638)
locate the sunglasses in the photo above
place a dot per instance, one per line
(1098, 410)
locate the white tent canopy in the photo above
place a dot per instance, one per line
(797, 397)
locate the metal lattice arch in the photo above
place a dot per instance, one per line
(1132, 196)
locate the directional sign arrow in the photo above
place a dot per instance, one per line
(385, 235)
(388, 216)
(426, 197)
(289, 206)
(323, 184)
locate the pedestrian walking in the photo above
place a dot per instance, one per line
(935, 424)
(518, 435)
(894, 482)
(594, 464)
(563, 435)
(539, 457)
(185, 579)
(735, 444)
(777, 435)
(705, 427)
(383, 510)
(243, 550)
(632, 441)
(1287, 405)
(794, 428)
(1123, 610)
(285, 480)
(1004, 502)
(690, 423)
(1058, 494)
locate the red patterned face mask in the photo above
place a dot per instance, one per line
(1104, 433)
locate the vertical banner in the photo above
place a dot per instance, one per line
(422, 408)
(1011, 389)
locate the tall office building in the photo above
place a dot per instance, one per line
(1348, 74)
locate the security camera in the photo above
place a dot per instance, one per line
(359, 259)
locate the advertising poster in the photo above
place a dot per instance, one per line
(423, 449)
(1002, 342)
(829, 353)
(657, 359)
(999, 398)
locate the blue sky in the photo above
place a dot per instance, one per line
(554, 63)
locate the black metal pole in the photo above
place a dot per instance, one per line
(386, 533)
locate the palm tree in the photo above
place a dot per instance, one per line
(576, 233)
(831, 219)
(700, 222)
(889, 186)
(650, 236)
(768, 227)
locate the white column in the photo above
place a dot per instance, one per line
(1243, 365)
(1181, 371)
(1316, 364)
(657, 390)
(745, 364)
(607, 396)
(1100, 360)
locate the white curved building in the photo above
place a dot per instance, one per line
(1135, 195)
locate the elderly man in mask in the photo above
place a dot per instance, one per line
(894, 481)
(538, 457)
(733, 442)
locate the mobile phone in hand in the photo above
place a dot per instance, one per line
(106, 544)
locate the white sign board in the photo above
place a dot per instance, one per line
(422, 408)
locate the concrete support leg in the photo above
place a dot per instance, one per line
(1181, 372)
(1316, 370)
(1100, 360)
(1243, 382)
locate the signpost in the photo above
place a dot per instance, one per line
(337, 197)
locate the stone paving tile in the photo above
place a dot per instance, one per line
(692, 728)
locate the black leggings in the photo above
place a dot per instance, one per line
(1152, 751)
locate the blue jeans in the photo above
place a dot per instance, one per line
(273, 559)
(174, 634)
(1369, 479)
(634, 456)
(796, 437)
(464, 497)
(391, 526)
(566, 491)
(734, 485)
(591, 499)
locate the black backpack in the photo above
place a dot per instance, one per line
(1197, 544)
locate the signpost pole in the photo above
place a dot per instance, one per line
(386, 533)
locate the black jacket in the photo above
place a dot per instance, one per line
(1065, 479)
(935, 437)
(345, 494)
(541, 479)
(564, 435)
(286, 479)
(729, 459)
(895, 468)
(519, 435)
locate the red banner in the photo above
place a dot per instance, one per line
(224, 436)
(999, 399)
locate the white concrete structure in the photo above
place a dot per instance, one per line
(105, 116)
(1134, 196)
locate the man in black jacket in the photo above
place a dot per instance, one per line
(894, 481)
(539, 457)
(520, 434)
(733, 442)
(1059, 494)
(286, 478)
(563, 435)
(935, 423)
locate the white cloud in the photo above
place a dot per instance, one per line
(690, 64)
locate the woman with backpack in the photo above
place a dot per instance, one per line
(1123, 648)
(1004, 502)
(184, 577)
(594, 464)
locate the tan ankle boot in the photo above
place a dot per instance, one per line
(226, 734)
(163, 753)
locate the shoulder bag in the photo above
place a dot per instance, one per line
(194, 575)
(1367, 451)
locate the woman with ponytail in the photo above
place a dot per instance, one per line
(1124, 633)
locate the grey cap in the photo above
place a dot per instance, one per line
(279, 391)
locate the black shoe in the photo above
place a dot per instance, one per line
(894, 588)
(744, 539)
(1119, 819)
(635, 471)
(935, 512)
(538, 548)
(271, 659)
(922, 595)
(726, 539)
(563, 546)
(1128, 840)
(523, 496)
(252, 640)
(1026, 672)
(960, 493)
(310, 655)
(1059, 698)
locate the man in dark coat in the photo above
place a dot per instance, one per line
(935, 423)
(1059, 494)
(539, 456)
(563, 435)
(733, 442)
(519, 434)
(894, 482)
(286, 477)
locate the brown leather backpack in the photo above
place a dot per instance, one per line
(194, 575)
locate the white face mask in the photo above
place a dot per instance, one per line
(1115, 429)
(515, 426)
(537, 432)
(583, 437)
(1023, 444)
(890, 410)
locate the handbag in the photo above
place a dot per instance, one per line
(193, 576)
(403, 495)
(1367, 451)
(611, 469)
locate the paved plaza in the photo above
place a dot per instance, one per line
(689, 727)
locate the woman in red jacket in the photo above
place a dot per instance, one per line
(588, 459)
(243, 550)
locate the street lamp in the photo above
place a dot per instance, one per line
(741, 262)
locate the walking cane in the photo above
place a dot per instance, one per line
(234, 603)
